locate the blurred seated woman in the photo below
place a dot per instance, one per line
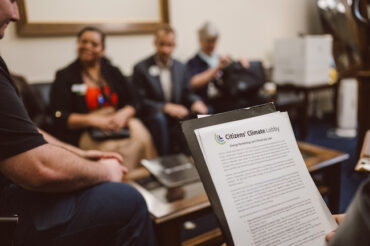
(90, 93)
(206, 66)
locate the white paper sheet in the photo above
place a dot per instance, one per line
(265, 189)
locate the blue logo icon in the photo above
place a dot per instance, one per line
(219, 139)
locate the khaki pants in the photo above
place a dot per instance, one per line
(133, 149)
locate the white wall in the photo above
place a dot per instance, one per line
(248, 28)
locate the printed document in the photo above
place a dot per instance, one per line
(265, 189)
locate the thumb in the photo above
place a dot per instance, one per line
(124, 169)
(329, 235)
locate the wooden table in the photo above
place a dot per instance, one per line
(307, 91)
(328, 162)
(168, 217)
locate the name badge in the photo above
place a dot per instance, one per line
(154, 71)
(79, 89)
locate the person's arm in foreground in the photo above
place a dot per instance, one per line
(87, 154)
(49, 168)
(354, 227)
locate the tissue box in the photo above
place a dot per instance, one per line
(303, 61)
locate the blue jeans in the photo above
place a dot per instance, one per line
(167, 133)
(105, 214)
(159, 125)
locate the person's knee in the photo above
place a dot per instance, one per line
(139, 131)
(158, 126)
(117, 202)
(158, 120)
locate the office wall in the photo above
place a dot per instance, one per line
(248, 28)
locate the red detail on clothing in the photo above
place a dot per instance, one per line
(93, 94)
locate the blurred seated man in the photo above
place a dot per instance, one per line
(354, 227)
(163, 86)
(61, 197)
(206, 66)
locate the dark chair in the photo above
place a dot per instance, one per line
(35, 98)
(7, 228)
(43, 89)
(45, 121)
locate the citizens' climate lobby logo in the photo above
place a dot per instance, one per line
(219, 139)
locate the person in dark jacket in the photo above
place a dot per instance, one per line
(91, 93)
(163, 86)
(205, 68)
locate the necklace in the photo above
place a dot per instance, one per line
(103, 97)
(99, 81)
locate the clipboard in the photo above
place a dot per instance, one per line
(188, 128)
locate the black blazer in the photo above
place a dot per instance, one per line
(195, 66)
(64, 101)
(150, 90)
